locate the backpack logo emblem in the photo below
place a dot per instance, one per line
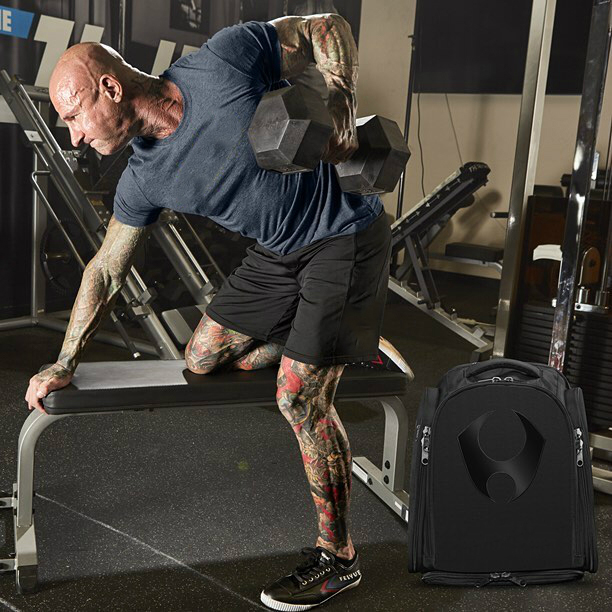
(488, 474)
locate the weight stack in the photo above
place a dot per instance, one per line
(588, 362)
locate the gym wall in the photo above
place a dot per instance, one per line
(486, 127)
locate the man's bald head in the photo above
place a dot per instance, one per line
(90, 88)
(82, 65)
(105, 102)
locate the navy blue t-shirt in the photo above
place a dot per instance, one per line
(207, 167)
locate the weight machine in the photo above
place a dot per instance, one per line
(572, 333)
(90, 215)
(415, 230)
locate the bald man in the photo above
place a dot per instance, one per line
(310, 294)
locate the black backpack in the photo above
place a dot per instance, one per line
(501, 487)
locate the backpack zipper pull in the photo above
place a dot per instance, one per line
(579, 447)
(500, 577)
(518, 581)
(425, 441)
(494, 379)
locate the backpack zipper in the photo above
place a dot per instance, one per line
(425, 442)
(502, 577)
(521, 579)
(583, 521)
(579, 447)
(423, 547)
(579, 522)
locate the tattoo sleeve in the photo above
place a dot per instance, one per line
(102, 280)
(325, 40)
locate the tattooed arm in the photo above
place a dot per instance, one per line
(102, 280)
(327, 41)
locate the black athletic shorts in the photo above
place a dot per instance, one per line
(323, 302)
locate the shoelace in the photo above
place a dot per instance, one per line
(313, 567)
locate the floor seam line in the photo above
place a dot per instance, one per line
(153, 549)
(9, 606)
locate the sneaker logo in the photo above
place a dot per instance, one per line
(377, 361)
(329, 586)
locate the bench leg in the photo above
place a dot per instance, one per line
(388, 483)
(25, 561)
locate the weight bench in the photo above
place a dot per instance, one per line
(121, 386)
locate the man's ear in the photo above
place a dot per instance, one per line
(111, 87)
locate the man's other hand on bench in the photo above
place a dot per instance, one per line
(41, 384)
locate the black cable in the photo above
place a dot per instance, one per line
(608, 175)
(450, 114)
(476, 196)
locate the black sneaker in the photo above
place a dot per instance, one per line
(321, 576)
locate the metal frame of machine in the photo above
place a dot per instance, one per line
(89, 213)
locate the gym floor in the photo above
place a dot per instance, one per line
(197, 510)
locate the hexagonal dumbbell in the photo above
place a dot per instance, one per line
(290, 130)
(292, 126)
(377, 165)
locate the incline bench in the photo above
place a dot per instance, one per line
(106, 387)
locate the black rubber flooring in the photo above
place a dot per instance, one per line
(197, 510)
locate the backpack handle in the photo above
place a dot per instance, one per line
(493, 364)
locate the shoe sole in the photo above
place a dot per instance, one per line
(385, 347)
(286, 607)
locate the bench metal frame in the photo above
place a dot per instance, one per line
(386, 482)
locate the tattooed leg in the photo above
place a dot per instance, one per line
(262, 356)
(304, 395)
(213, 345)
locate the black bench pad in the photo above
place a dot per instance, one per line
(140, 385)
(474, 251)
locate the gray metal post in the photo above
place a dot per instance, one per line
(122, 27)
(34, 425)
(525, 159)
(39, 224)
(413, 56)
(395, 443)
(387, 483)
(580, 186)
(202, 246)
(184, 262)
